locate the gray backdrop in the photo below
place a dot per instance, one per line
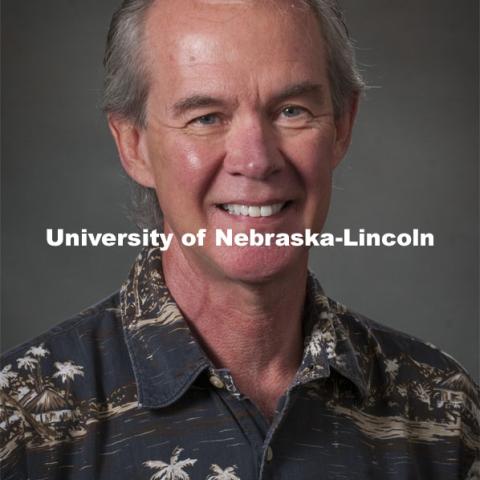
(413, 163)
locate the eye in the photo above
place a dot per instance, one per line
(291, 111)
(208, 119)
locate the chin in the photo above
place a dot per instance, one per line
(259, 264)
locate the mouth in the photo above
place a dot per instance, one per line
(256, 211)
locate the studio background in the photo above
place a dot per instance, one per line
(413, 163)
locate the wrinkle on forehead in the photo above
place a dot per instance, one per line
(291, 3)
(282, 5)
(227, 2)
(191, 23)
(195, 6)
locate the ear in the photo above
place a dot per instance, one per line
(344, 126)
(130, 144)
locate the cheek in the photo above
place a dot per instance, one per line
(313, 155)
(183, 167)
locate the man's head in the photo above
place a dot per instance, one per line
(239, 122)
(126, 83)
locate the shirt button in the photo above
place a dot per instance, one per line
(216, 382)
(269, 455)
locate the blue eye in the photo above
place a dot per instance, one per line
(209, 119)
(291, 111)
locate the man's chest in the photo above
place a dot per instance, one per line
(211, 434)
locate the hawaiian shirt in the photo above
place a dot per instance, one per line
(124, 391)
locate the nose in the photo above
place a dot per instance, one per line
(252, 150)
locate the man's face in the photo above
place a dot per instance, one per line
(240, 128)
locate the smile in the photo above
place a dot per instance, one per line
(253, 210)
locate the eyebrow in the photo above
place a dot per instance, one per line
(299, 90)
(206, 101)
(195, 101)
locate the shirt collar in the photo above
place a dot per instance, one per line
(166, 358)
(328, 341)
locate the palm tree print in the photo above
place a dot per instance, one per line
(391, 367)
(38, 352)
(173, 470)
(218, 474)
(67, 372)
(42, 387)
(27, 363)
(6, 375)
(314, 347)
(30, 364)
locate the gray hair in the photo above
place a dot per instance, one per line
(126, 78)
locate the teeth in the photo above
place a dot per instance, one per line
(237, 209)
(253, 211)
(266, 211)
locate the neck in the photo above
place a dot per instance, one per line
(254, 330)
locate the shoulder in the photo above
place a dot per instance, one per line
(82, 341)
(413, 389)
(69, 335)
(49, 379)
(404, 370)
(388, 343)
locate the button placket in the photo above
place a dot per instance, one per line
(287, 402)
(245, 422)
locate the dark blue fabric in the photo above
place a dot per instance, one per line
(124, 390)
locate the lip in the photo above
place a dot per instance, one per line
(255, 203)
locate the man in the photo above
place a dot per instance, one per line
(230, 362)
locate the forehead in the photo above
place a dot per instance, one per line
(231, 43)
(178, 13)
(220, 27)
